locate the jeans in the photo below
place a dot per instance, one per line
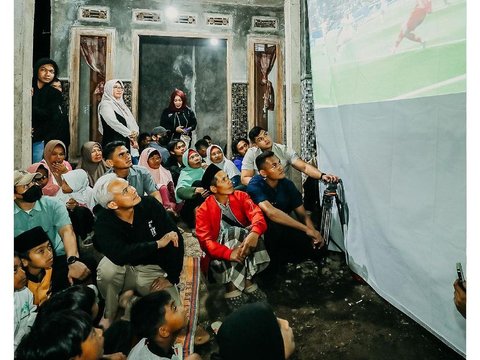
(37, 151)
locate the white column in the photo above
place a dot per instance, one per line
(23, 55)
(292, 78)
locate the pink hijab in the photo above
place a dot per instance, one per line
(52, 186)
(161, 176)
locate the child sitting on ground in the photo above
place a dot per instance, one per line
(157, 320)
(35, 251)
(66, 334)
(77, 194)
(24, 310)
(77, 297)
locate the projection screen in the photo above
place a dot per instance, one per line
(389, 82)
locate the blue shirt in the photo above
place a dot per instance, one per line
(140, 178)
(285, 196)
(50, 214)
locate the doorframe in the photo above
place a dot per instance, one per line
(136, 67)
(279, 94)
(74, 71)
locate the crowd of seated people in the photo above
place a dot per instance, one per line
(133, 216)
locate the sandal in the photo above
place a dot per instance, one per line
(257, 295)
(235, 302)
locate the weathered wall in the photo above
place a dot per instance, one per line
(23, 52)
(192, 65)
(64, 16)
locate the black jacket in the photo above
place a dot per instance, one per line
(49, 117)
(171, 119)
(135, 244)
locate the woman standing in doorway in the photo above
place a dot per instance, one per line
(115, 120)
(179, 118)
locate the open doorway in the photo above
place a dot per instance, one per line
(196, 65)
(41, 30)
(90, 65)
(265, 94)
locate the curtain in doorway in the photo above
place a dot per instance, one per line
(93, 50)
(265, 56)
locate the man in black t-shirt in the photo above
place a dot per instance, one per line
(287, 239)
(142, 246)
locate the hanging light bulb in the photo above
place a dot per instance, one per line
(171, 12)
(214, 41)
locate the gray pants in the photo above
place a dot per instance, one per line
(113, 279)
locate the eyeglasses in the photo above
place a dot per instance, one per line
(42, 177)
(118, 87)
(263, 137)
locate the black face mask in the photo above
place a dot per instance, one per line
(33, 194)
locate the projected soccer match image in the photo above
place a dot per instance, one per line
(376, 50)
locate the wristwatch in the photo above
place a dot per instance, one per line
(72, 259)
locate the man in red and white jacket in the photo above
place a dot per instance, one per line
(229, 227)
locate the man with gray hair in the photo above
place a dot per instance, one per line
(142, 246)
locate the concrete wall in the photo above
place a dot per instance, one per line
(64, 15)
(23, 52)
(192, 65)
(212, 116)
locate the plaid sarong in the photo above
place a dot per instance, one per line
(231, 271)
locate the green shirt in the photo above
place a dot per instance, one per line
(48, 213)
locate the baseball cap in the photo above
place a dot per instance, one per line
(21, 177)
(159, 130)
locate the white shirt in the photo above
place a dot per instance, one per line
(24, 315)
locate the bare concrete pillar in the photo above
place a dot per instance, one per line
(23, 54)
(292, 78)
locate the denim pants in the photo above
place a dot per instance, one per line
(37, 151)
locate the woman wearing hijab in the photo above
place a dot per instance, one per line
(115, 120)
(253, 332)
(216, 156)
(56, 165)
(92, 161)
(178, 118)
(77, 195)
(42, 169)
(189, 188)
(151, 159)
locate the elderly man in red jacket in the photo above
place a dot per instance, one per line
(229, 227)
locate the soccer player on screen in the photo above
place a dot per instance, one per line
(418, 14)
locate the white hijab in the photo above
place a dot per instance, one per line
(109, 105)
(82, 192)
(226, 165)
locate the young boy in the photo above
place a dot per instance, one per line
(201, 147)
(65, 334)
(25, 311)
(157, 321)
(36, 254)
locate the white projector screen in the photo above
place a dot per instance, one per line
(391, 121)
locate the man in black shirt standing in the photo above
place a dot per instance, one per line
(49, 121)
(142, 246)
